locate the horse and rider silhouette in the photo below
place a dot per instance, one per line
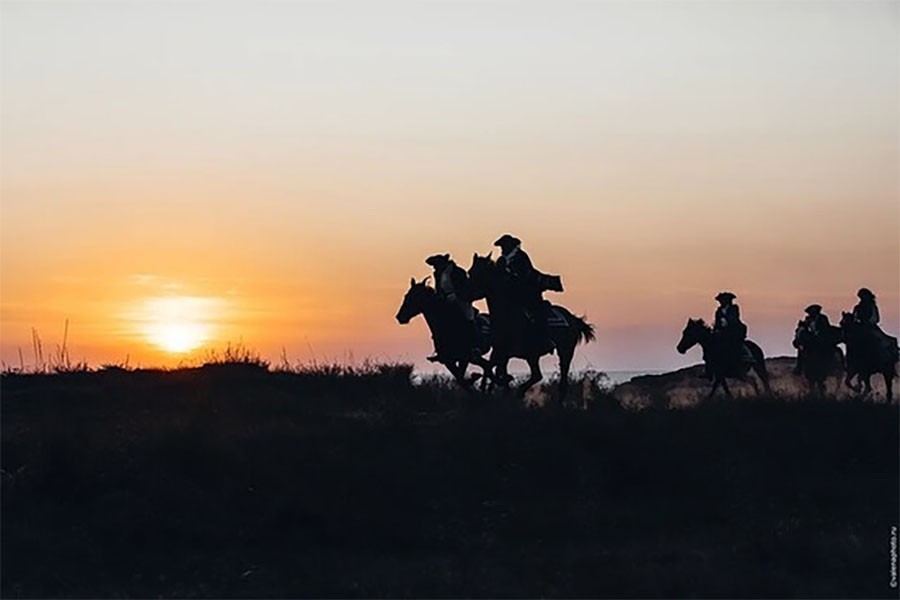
(519, 323)
(818, 354)
(727, 353)
(870, 350)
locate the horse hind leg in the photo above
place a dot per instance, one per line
(536, 376)
(819, 387)
(761, 372)
(565, 363)
(755, 385)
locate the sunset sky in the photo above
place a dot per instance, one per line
(178, 175)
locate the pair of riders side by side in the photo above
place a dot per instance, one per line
(526, 283)
(822, 334)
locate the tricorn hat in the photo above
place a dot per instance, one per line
(813, 309)
(865, 293)
(725, 296)
(437, 260)
(507, 240)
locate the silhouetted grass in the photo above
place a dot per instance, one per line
(231, 480)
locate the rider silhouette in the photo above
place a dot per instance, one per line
(819, 327)
(730, 328)
(866, 311)
(866, 314)
(452, 286)
(525, 281)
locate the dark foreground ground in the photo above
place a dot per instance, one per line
(231, 482)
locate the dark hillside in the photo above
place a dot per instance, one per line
(239, 482)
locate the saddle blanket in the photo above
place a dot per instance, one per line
(555, 318)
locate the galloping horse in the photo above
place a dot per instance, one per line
(868, 354)
(448, 329)
(719, 359)
(512, 334)
(821, 357)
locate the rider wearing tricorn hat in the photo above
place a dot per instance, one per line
(818, 326)
(526, 282)
(729, 327)
(452, 286)
(816, 321)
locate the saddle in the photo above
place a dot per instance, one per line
(555, 317)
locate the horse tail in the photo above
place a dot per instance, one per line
(584, 330)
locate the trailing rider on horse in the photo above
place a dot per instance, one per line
(527, 285)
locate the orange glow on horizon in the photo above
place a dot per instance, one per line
(178, 178)
(178, 324)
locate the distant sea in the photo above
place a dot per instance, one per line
(613, 377)
(618, 377)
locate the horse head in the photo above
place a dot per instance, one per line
(847, 320)
(415, 300)
(799, 334)
(694, 332)
(480, 273)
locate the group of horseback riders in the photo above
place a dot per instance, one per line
(816, 336)
(521, 324)
(814, 332)
(526, 284)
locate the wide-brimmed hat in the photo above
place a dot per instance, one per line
(725, 296)
(437, 260)
(865, 293)
(813, 309)
(507, 240)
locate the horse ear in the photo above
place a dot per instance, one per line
(424, 281)
(490, 255)
(412, 282)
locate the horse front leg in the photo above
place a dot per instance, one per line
(458, 370)
(725, 388)
(501, 375)
(888, 386)
(848, 381)
(717, 381)
(487, 374)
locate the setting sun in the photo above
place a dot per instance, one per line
(178, 324)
